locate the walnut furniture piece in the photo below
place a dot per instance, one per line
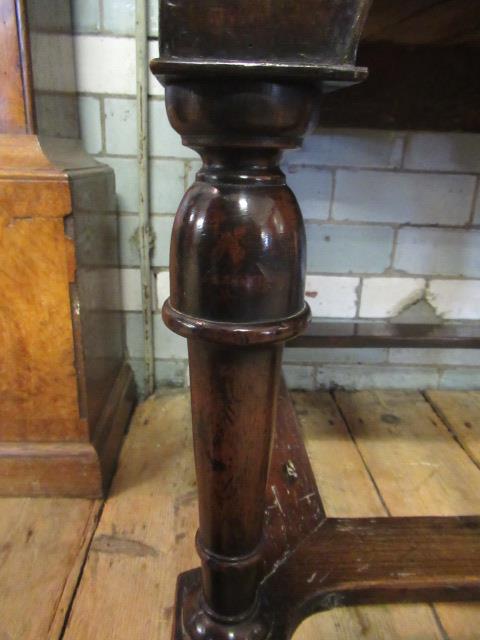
(243, 81)
(66, 392)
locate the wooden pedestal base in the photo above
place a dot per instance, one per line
(194, 623)
(314, 563)
(270, 556)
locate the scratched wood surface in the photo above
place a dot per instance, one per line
(145, 536)
(418, 469)
(348, 491)
(373, 453)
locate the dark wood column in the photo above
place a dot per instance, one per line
(243, 80)
(237, 293)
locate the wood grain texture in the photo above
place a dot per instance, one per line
(43, 544)
(30, 185)
(418, 469)
(146, 534)
(237, 266)
(223, 32)
(343, 481)
(412, 456)
(377, 334)
(38, 386)
(237, 259)
(348, 491)
(231, 267)
(293, 504)
(13, 117)
(352, 561)
(64, 397)
(460, 411)
(71, 469)
(424, 69)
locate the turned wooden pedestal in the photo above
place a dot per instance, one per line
(242, 83)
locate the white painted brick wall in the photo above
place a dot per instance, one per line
(332, 297)
(348, 248)
(86, 15)
(165, 141)
(299, 376)
(396, 197)
(89, 114)
(343, 148)
(389, 218)
(119, 16)
(455, 299)
(443, 152)
(163, 287)
(461, 357)
(386, 297)
(121, 127)
(446, 252)
(106, 65)
(167, 185)
(313, 188)
(476, 210)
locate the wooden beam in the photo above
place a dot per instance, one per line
(382, 334)
(380, 560)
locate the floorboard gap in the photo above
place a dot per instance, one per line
(444, 420)
(370, 475)
(68, 610)
(440, 626)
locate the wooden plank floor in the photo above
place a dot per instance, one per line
(43, 542)
(374, 453)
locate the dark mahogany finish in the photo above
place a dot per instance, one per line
(360, 334)
(315, 39)
(237, 293)
(239, 95)
(363, 561)
(314, 563)
(248, 30)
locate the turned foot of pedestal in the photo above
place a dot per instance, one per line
(193, 621)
